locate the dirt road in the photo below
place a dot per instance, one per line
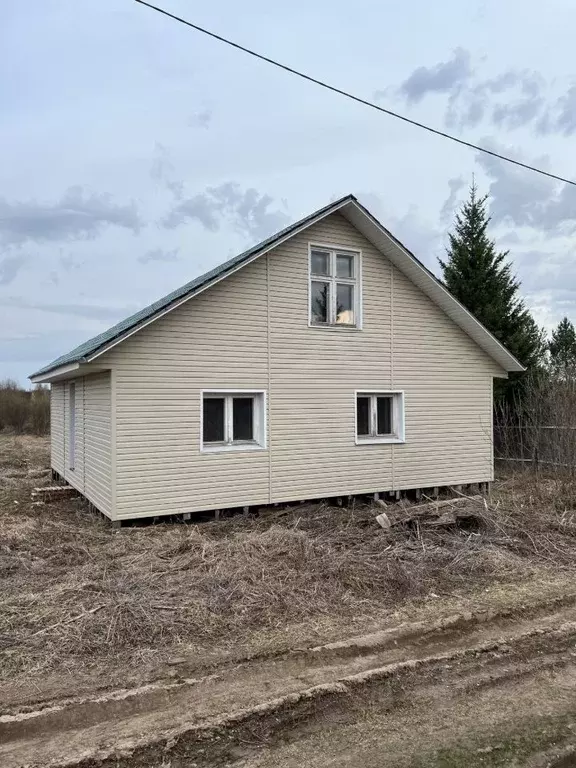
(302, 636)
(497, 687)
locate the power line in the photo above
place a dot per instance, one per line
(358, 99)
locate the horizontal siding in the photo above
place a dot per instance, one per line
(98, 441)
(251, 332)
(218, 340)
(91, 474)
(448, 384)
(314, 373)
(406, 343)
(57, 447)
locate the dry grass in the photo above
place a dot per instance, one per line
(75, 591)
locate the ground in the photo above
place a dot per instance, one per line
(302, 636)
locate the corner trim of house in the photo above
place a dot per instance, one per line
(113, 449)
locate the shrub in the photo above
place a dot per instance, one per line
(22, 410)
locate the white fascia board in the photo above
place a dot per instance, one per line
(184, 299)
(418, 274)
(62, 372)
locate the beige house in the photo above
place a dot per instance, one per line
(326, 361)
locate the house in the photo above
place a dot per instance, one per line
(325, 361)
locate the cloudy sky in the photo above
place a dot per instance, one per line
(137, 153)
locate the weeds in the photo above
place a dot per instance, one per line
(73, 589)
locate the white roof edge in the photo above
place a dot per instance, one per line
(415, 271)
(312, 219)
(398, 254)
(61, 372)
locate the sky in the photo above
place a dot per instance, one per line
(137, 153)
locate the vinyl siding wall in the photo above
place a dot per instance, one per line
(92, 471)
(406, 343)
(98, 442)
(57, 427)
(218, 340)
(251, 331)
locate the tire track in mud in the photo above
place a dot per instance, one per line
(135, 728)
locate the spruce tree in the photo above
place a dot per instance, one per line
(562, 349)
(481, 278)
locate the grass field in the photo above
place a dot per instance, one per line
(84, 607)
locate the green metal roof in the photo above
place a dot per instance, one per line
(92, 346)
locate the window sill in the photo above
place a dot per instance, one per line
(232, 448)
(380, 440)
(334, 327)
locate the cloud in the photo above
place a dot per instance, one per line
(201, 119)
(447, 210)
(564, 120)
(76, 216)
(10, 266)
(90, 311)
(439, 78)
(69, 263)
(35, 350)
(421, 237)
(543, 270)
(510, 100)
(526, 199)
(567, 119)
(248, 211)
(519, 113)
(158, 254)
(417, 234)
(163, 171)
(510, 238)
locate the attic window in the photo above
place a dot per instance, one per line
(379, 417)
(334, 287)
(232, 421)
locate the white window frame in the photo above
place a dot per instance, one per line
(71, 425)
(398, 417)
(260, 411)
(332, 279)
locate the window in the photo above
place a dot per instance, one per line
(233, 421)
(334, 287)
(379, 417)
(72, 425)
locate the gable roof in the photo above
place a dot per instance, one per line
(359, 217)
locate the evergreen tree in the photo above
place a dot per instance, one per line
(562, 349)
(481, 278)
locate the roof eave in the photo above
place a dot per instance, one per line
(336, 206)
(396, 252)
(55, 374)
(435, 290)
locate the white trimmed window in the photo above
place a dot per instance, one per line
(379, 417)
(334, 287)
(233, 421)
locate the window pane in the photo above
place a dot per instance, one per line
(363, 415)
(384, 417)
(320, 263)
(344, 266)
(213, 420)
(243, 418)
(319, 302)
(345, 303)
